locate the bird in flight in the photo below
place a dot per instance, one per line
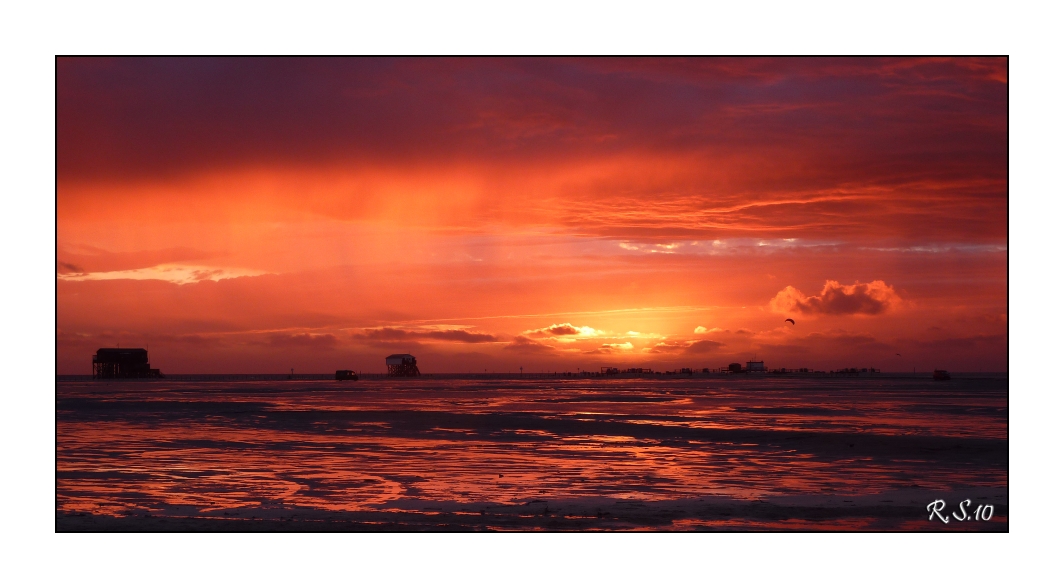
(789, 321)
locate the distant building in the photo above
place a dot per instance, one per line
(735, 368)
(755, 366)
(609, 370)
(116, 362)
(402, 364)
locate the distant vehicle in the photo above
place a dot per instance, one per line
(940, 375)
(346, 375)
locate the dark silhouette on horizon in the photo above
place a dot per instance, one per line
(115, 362)
(402, 364)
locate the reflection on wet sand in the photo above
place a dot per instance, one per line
(563, 454)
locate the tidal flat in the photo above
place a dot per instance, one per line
(720, 453)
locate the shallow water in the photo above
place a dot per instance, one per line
(699, 453)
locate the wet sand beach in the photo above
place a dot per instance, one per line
(715, 453)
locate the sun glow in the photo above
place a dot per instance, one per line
(531, 220)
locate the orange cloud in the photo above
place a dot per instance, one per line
(835, 299)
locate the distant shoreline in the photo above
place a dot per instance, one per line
(529, 376)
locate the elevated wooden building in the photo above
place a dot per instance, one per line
(402, 364)
(116, 362)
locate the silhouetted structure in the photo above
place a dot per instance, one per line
(346, 375)
(755, 366)
(115, 362)
(857, 371)
(402, 364)
(735, 368)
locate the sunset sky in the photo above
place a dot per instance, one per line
(261, 215)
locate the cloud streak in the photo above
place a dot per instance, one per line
(323, 340)
(388, 334)
(522, 344)
(701, 347)
(175, 274)
(563, 330)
